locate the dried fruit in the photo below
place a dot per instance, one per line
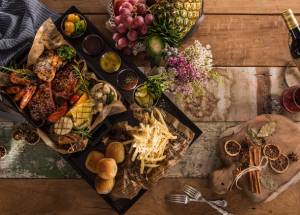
(293, 156)
(267, 130)
(232, 148)
(271, 151)
(281, 164)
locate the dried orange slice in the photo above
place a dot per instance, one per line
(271, 151)
(281, 164)
(232, 148)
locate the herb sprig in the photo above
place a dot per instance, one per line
(83, 84)
(23, 72)
(83, 133)
(156, 85)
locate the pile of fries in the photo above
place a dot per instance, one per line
(150, 140)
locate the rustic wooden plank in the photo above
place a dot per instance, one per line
(236, 40)
(245, 40)
(50, 197)
(250, 7)
(90, 6)
(26, 161)
(210, 6)
(76, 197)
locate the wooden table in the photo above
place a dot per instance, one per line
(249, 43)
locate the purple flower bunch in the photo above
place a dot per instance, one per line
(185, 71)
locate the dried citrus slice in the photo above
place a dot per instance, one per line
(232, 148)
(271, 151)
(281, 164)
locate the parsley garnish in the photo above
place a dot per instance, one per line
(80, 27)
(66, 52)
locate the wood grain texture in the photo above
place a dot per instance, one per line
(236, 40)
(245, 40)
(90, 6)
(76, 197)
(250, 7)
(210, 6)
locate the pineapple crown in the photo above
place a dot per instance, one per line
(163, 25)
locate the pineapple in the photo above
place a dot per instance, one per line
(173, 20)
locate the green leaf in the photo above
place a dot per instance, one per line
(66, 52)
(267, 130)
(110, 98)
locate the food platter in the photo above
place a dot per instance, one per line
(77, 160)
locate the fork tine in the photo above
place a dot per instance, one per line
(177, 198)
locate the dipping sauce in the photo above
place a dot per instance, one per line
(127, 79)
(110, 62)
(92, 44)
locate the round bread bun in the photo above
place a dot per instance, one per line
(107, 168)
(104, 186)
(116, 151)
(92, 160)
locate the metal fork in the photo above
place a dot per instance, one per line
(184, 199)
(195, 194)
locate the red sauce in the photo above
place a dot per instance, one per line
(291, 99)
(92, 44)
(127, 79)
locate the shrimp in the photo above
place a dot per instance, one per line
(13, 90)
(16, 79)
(29, 92)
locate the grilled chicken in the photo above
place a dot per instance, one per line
(47, 65)
(65, 82)
(42, 104)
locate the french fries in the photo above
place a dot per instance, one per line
(150, 140)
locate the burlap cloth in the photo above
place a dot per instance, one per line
(286, 136)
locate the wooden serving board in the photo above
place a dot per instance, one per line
(286, 137)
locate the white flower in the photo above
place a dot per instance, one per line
(137, 48)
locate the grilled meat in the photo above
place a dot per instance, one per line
(42, 103)
(65, 82)
(28, 94)
(17, 79)
(47, 65)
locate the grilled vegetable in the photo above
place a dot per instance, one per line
(63, 126)
(60, 112)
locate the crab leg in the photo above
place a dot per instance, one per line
(29, 91)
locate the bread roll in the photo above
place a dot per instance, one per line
(107, 168)
(116, 151)
(92, 160)
(104, 186)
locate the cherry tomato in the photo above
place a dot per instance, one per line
(74, 99)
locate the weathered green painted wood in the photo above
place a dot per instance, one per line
(27, 161)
